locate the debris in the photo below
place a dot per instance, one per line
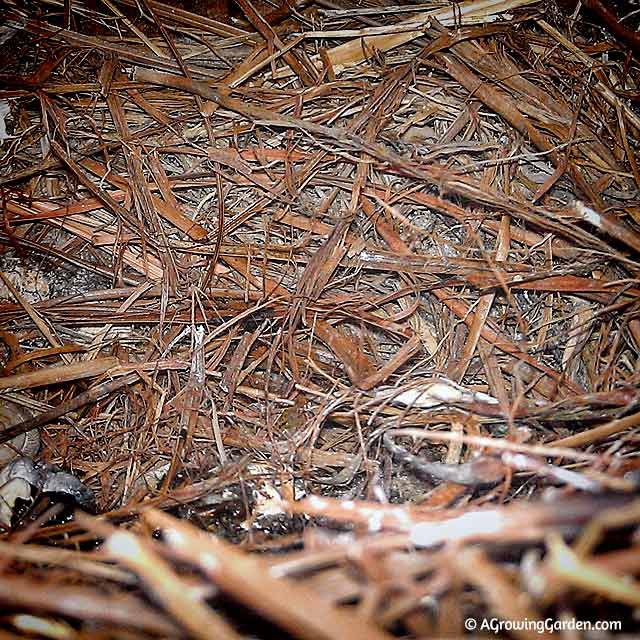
(319, 301)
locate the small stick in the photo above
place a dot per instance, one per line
(478, 472)
(86, 397)
(597, 434)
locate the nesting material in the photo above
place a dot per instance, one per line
(332, 306)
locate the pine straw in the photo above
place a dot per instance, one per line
(292, 261)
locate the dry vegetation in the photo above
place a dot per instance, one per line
(335, 309)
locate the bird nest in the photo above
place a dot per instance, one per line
(319, 318)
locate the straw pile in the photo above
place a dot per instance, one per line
(333, 307)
